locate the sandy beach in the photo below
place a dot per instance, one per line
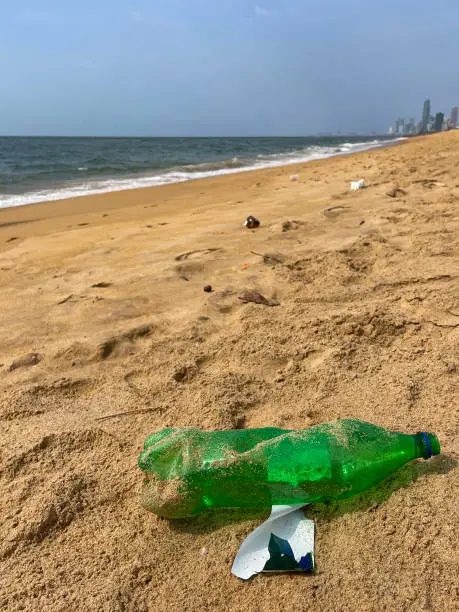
(106, 335)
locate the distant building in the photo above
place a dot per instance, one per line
(400, 126)
(438, 124)
(410, 127)
(454, 116)
(425, 115)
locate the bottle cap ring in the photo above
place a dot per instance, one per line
(428, 444)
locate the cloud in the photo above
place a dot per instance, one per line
(264, 12)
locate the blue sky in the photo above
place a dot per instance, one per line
(223, 67)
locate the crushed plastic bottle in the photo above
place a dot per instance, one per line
(189, 470)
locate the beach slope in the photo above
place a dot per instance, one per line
(106, 335)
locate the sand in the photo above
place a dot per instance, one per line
(103, 313)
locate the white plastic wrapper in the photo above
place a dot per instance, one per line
(283, 543)
(355, 185)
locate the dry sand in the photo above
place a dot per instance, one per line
(103, 312)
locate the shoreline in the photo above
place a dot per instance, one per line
(34, 217)
(157, 179)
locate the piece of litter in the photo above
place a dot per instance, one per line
(355, 185)
(251, 222)
(283, 543)
(294, 178)
(203, 550)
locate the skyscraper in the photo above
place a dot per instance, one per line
(439, 122)
(410, 127)
(400, 126)
(454, 116)
(425, 115)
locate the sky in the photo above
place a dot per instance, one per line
(223, 67)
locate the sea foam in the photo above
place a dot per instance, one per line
(181, 174)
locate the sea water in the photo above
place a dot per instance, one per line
(39, 169)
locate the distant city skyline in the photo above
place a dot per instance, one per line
(427, 124)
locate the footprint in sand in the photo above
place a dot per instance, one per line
(43, 397)
(397, 215)
(73, 486)
(335, 211)
(120, 343)
(271, 259)
(396, 192)
(191, 266)
(26, 361)
(256, 298)
(434, 315)
(223, 301)
(67, 299)
(191, 270)
(197, 253)
(288, 226)
(429, 183)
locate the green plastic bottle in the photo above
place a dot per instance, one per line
(189, 470)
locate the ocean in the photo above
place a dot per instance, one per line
(40, 169)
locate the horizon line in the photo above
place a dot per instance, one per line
(316, 135)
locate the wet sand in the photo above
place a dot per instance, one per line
(103, 313)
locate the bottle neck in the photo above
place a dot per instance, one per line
(427, 445)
